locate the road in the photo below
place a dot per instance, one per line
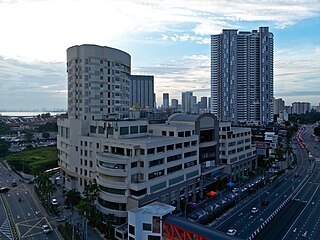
(300, 218)
(278, 194)
(26, 214)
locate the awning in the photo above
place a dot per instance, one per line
(191, 203)
(243, 177)
(230, 184)
(211, 193)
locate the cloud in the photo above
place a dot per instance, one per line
(32, 85)
(297, 73)
(43, 30)
(191, 73)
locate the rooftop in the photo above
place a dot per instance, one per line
(155, 208)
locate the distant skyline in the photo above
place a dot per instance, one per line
(169, 39)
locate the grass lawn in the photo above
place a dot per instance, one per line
(34, 160)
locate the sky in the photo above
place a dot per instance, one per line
(169, 39)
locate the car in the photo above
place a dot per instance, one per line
(14, 183)
(235, 190)
(264, 202)
(202, 213)
(296, 175)
(254, 210)
(46, 228)
(54, 202)
(4, 189)
(231, 232)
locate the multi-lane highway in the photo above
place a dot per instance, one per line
(279, 195)
(19, 208)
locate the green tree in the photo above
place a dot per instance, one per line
(48, 127)
(4, 148)
(91, 192)
(316, 131)
(4, 129)
(28, 135)
(50, 189)
(46, 135)
(73, 198)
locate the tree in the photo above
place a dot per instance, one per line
(4, 148)
(4, 129)
(91, 192)
(28, 135)
(45, 186)
(316, 131)
(46, 135)
(73, 198)
(50, 189)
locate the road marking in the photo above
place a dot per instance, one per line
(33, 224)
(6, 230)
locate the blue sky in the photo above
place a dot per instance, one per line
(169, 39)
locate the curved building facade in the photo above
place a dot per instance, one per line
(98, 82)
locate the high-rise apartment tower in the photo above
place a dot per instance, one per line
(242, 76)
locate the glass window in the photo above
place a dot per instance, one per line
(124, 130)
(131, 229)
(133, 129)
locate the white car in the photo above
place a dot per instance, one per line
(231, 232)
(254, 210)
(54, 202)
(46, 228)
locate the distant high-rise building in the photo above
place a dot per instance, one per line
(174, 103)
(165, 102)
(186, 101)
(98, 82)
(278, 105)
(194, 106)
(142, 91)
(301, 107)
(242, 76)
(204, 102)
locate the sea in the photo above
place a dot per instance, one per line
(27, 114)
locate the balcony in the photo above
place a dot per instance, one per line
(111, 171)
(112, 197)
(117, 213)
(111, 184)
(113, 158)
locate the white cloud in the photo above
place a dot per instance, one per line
(297, 71)
(45, 29)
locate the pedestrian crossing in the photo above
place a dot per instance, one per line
(6, 230)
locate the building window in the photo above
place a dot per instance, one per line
(143, 129)
(124, 130)
(160, 149)
(174, 169)
(133, 129)
(174, 158)
(131, 229)
(156, 224)
(156, 162)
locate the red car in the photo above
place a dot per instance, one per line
(264, 203)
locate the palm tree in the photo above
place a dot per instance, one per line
(50, 189)
(43, 181)
(73, 198)
(91, 192)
